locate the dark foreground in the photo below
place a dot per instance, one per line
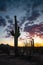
(21, 60)
(27, 56)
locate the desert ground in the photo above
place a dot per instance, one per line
(12, 60)
(7, 56)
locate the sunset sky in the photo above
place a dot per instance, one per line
(29, 17)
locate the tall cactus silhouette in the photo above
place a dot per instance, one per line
(32, 46)
(16, 34)
(32, 42)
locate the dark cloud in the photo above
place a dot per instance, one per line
(11, 27)
(22, 20)
(34, 16)
(37, 28)
(2, 22)
(42, 10)
(37, 2)
(7, 17)
(0, 17)
(8, 29)
(2, 8)
(10, 21)
(8, 35)
(32, 11)
(3, 5)
(13, 4)
(24, 4)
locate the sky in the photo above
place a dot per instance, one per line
(29, 17)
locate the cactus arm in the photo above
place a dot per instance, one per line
(12, 33)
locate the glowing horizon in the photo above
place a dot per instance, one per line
(23, 40)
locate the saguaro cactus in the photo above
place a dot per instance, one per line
(32, 46)
(32, 42)
(16, 34)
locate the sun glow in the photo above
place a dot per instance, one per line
(25, 37)
(23, 40)
(38, 41)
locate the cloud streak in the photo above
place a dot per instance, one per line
(2, 22)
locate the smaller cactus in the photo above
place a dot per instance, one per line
(32, 42)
